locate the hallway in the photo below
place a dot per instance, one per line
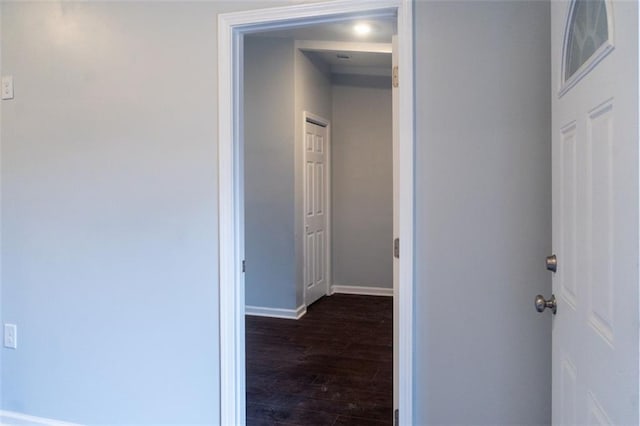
(334, 366)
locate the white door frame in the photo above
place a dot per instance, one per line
(316, 119)
(231, 27)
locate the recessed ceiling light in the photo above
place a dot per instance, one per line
(362, 29)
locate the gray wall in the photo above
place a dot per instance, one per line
(109, 211)
(312, 94)
(280, 83)
(483, 212)
(269, 173)
(362, 186)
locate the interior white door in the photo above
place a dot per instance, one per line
(315, 211)
(595, 212)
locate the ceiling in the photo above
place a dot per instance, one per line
(345, 60)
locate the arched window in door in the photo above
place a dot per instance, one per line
(588, 39)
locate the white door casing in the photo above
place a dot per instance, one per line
(395, 99)
(231, 28)
(595, 221)
(316, 171)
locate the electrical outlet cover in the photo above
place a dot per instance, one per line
(7, 87)
(10, 336)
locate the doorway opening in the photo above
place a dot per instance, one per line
(232, 29)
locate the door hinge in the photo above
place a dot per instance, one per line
(395, 78)
(396, 248)
(243, 266)
(396, 417)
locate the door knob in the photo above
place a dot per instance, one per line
(552, 263)
(541, 303)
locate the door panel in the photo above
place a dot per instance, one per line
(320, 191)
(595, 218)
(568, 211)
(310, 189)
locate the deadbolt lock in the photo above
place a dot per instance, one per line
(552, 263)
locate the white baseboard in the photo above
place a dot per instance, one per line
(363, 291)
(260, 311)
(12, 418)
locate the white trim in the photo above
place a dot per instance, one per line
(343, 46)
(231, 253)
(327, 11)
(321, 121)
(638, 177)
(261, 311)
(12, 415)
(316, 119)
(357, 70)
(406, 188)
(231, 26)
(363, 291)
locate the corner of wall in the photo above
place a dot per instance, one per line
(312, 93)
(298, 224)
(269, 176)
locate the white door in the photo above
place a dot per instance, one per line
(595, 211)
(315, 211)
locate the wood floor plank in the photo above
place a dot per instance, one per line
(333, 366)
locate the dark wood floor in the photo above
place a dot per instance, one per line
(334, 366)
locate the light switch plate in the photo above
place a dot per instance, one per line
(7, 87)
(10, 336)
